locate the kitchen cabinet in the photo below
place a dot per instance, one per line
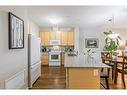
(82, 78)
(42, 37)
(58, 36)
(45, 58)
(62, 58)
(64, 38)
(53, 36)
(45, 38)
(70, 38)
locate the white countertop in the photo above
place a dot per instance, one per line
(81, 61)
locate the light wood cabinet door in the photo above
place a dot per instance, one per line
(70, 38)
(45, 58)
(62, 57)
(58, 35)
(64, 38)
(53, 36)
(42, 37)
(47, 38)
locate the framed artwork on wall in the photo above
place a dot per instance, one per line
(16, 32)
(126, 43)
(91, 43)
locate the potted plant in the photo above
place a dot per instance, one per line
(111, 42)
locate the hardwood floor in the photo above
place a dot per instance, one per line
(51, 78)
(54, 78)
(119, 84)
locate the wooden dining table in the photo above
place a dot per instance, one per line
(116, 61)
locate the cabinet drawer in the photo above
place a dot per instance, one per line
(44, 58)
(44, 63)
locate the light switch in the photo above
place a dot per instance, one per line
(95, 72)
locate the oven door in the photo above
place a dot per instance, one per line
(53, 56)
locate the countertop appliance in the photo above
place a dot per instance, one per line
(34, 63)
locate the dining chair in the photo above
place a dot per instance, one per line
(122, 68)
(105, 76)
(106, 59)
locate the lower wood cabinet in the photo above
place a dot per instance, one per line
(45, 58)
(82, 78)
(62, 58)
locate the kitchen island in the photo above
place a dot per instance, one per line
(82, 73)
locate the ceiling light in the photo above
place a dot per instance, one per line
(114, 35)
(55, 21)
(58, 31)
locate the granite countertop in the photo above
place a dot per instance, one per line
(81, 61)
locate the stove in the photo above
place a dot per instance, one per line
(55, 54)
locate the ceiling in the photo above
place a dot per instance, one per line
(79, 16)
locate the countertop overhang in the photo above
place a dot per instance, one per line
(81, 61)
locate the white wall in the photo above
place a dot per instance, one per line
(76, 38)
(11, 61)
(91, 33)
(33, 28)
(97, 33)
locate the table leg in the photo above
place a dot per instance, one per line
(115, 72)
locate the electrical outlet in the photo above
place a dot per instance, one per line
(95, 72)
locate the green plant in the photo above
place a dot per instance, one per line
(111, 44)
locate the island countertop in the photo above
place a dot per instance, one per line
(81, 61)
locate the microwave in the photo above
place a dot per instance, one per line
(55, 42)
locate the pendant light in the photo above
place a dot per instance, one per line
(113, 35)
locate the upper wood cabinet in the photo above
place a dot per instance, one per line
(53, 36)
(45, 38)
(64, 38)
(70, 38)
(42, 37)
(58, 36)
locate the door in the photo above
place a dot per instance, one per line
(58, 35)
(53, 36)
(64, 38)
(70, 39)
(42, 37)
(47, 38)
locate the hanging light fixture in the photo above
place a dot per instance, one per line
(56, 29)
(113, 35)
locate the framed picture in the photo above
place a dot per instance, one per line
(16, 32)
(126, 43)
(91, 43)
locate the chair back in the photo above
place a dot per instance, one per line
(124, 63)
(106, 56)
